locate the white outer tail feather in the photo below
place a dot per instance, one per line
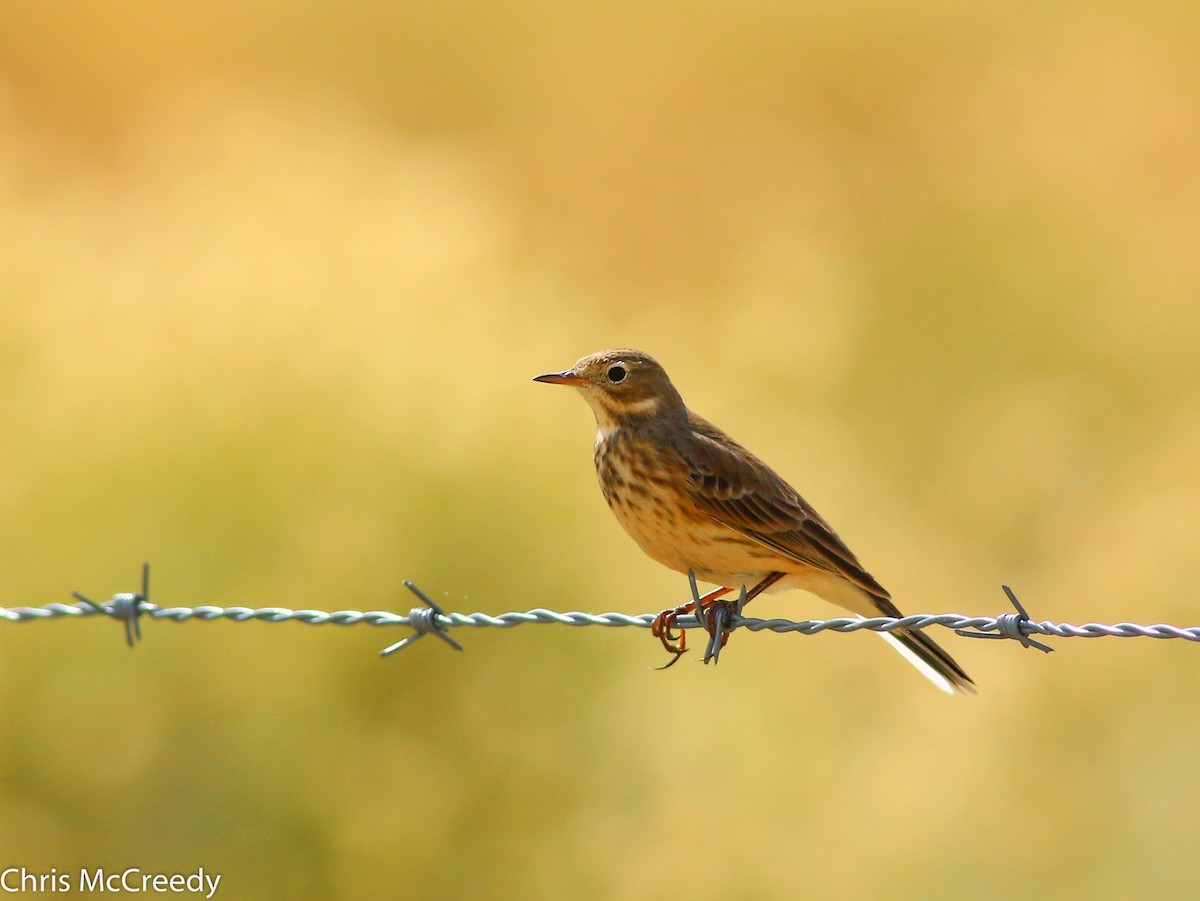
(926, 670)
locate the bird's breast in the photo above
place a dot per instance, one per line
(647, 489)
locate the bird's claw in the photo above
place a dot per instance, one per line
(713, 614)
(663, 628)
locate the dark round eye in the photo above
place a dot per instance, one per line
(617, 373)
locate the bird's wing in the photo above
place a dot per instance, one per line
(741, 492)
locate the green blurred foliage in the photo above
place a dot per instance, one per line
(274, 279)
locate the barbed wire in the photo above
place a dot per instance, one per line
(718, 619)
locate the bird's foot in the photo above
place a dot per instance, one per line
(664, 625)
(714, 614)
(663, 628)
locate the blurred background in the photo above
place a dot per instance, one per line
(275, 278)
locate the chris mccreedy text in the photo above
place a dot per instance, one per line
(132, 881)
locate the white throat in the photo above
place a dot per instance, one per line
(606, 423)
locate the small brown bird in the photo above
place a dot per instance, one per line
(696, 500)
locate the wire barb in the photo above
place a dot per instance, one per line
(125, 606)
(424, 621)
(720, 619)
(1010, 625)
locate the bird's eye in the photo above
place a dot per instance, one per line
(616, 374)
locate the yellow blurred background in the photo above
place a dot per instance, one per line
(275, 277)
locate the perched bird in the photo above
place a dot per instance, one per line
(697, 501)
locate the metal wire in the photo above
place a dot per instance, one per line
(719, 619)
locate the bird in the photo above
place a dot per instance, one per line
(699, 503)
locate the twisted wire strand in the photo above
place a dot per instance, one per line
(542, 616)
(342, 617)
(718, 619)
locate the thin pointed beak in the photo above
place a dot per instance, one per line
(566, 377)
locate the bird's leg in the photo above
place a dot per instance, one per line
(759, 587)
(663, 626)
(762, 586)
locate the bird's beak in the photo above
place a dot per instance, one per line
(566, 377)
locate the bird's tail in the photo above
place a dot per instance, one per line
(928, 656)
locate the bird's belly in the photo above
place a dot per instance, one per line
(715, 553)
(686, 539)
(652, 502)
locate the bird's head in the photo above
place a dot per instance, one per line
(620, 384)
